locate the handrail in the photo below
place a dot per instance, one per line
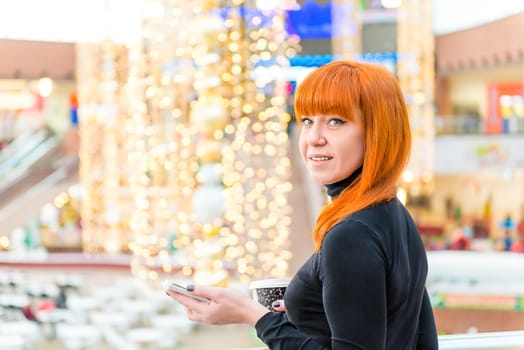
(15, 145)
(483, 340)
(23, 168)
(22, 152)
(473, 124)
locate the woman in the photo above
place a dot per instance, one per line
(364, 286)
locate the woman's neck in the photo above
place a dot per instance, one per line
(334, 189)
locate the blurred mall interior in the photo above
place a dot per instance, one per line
(143, 140)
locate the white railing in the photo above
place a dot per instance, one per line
(472, 124)
(488, 340)
(457, 124)
(466, 266)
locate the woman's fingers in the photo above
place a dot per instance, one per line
(185, 300)
(278, 305)
(227, 305)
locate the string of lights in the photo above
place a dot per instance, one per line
(105, 200)
(257, 164)
(184, 150)
(160, 149)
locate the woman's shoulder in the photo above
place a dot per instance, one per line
(363, 225)
(350, 230)
(379, 210)
(353, 240)
(378, 216)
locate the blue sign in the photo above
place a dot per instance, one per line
(311, 21)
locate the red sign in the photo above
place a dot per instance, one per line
(504, 102)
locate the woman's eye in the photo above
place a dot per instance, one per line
(307, 121)
(336, 121)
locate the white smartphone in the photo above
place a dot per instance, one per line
(178, 288)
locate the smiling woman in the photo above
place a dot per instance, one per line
(364, 286)
(348, 101)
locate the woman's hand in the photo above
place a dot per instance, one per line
(278, 305)
(227, 306)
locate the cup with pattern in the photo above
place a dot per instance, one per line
(267, 291)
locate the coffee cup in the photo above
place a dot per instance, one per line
(266, 291)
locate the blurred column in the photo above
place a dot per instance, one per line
(106, 204)
(417, 79)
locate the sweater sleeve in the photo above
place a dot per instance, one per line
(426, 333)
(278, 333)
(353, 275)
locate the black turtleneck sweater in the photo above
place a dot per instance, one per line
(364, 288)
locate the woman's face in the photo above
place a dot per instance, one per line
(332, 147)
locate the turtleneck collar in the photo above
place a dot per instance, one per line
(334, 189)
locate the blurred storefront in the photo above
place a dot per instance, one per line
(480, 78)
(36, 81)
(479, 171)
(37, 133)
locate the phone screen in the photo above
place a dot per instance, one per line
(178, 288)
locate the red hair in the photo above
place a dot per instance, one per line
(371, 95)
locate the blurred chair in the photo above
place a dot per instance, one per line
(78, 336)
(119, 320)
(177, 323)
(117, 341)
(29, 331)
(11, 342)
(152, 338)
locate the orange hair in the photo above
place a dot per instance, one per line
(371, 95)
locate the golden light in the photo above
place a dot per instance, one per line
(408, 176)
(45, 86)
(402, 195)
(4, 242)
(183, 155)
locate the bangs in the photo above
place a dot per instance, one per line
(328, 91)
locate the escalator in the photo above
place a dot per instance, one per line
(33, 169)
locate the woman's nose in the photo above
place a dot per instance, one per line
(316, 135)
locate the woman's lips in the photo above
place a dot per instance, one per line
(319, 158)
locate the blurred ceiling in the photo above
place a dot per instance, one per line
(36, 59)
(468, 49)
(80, 20)
(43, 43)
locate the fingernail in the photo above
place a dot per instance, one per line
(190, 287)
(276, 304)
(168, 294)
